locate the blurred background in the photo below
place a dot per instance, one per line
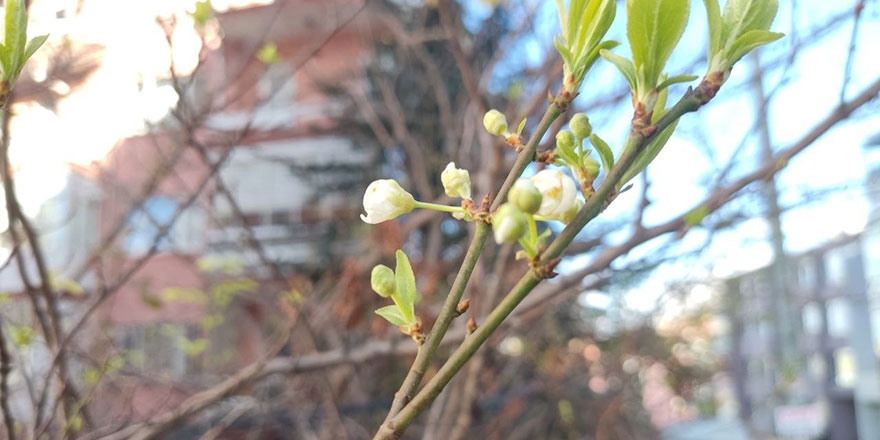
(183, 256)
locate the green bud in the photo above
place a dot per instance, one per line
(383, 281)
(525, 196)
(495, 122)
(580, 125)
(591, 166)
(509, 224)
(565, 140)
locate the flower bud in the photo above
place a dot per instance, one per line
(383, 281)
(456, 181)
(591, 166)
(525, 196)
(495, 122)
(565, 140)
(385, 200)
(559, 193)
(575, 208)
(580, 125)
(509, 224)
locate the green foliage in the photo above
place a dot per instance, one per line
(193, 347)
(696, 215)
(268, 54)
(655, 144)
(392, 314)
(604, 150)
(224, 292)
(22, 335)
(16, 50)
(654, 28)
(65, 285)
(184, 295)
(584, 24)
(743, 27)
(211, 322)
(624, 65)
(202, 13)
(404, 296)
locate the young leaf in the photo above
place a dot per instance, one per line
(649, 154)
(742, 16)
(32, 47)
(696, 216)
(16, 29)
(676, 80)
(654, 28)
(522, 125)
(406, 286)
(605, 152)
(624, 65)
(713, 13)
(748, 42)
(392, 314)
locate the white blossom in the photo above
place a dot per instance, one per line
(558, 191)
(456, 181)
(385, 200)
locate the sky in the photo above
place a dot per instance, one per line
(110, 106)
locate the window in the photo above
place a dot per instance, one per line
(145, 225)
(276, 86)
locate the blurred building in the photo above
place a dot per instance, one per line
(830, 388)
(197, 307)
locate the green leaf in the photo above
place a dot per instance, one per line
(696, 215)
(405, 296)
(392, 314)
(195, 347)
(654, 28)
(748, 42)
(604, 150)
(522, 125)
(202, 13)
(4, 58)
(563, 52)
(713, 14)
(742, 16)
(22, 335)
(563, 18)
(624, 65)
(676, 80)
(595, 17)
(33, 45)
(268, 54)
(16, 33)
(649, 154)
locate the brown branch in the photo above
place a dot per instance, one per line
(5, 369)
(712, 203)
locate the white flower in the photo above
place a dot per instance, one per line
(456, 181)
(559, 193)
(384, 200)
(495, 122)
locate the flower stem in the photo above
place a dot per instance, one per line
(414, 376)
(636, 142)
(436, 207)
